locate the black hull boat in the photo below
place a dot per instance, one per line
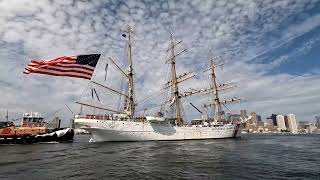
(58, 135)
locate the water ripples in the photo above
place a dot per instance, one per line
(251, 157)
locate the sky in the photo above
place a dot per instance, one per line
(270, 49)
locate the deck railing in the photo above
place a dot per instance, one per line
(105, 117)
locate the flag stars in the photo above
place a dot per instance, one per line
(90, 59)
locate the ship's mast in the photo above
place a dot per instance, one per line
(176, 79)
(129, 106)
(174, 87)
(130, 101)
(214, 86)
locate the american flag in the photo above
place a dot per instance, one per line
(81, 66)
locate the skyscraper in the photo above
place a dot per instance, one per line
(259, 118)
(303, 124)
(254, 119)
(317, 121)
(286, 122)
(269, 121)
(310, 128)
(233, 117)
(280, 122)
(243, 114)
(274, 119)
(292, 123)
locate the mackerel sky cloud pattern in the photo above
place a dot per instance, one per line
(269, 48)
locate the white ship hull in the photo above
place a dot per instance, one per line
(110, 130)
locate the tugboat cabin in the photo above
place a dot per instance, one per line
(32, 119)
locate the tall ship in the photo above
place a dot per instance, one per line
(127, 126)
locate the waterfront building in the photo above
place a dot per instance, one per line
(55, 123)
(286, 122)
(303, 124)
(233, 117)
(259, 118)
(269, 121)
(317, 121)
(311, 128)
(261, 123)
(280, 122)
(254, 119)
(274, 119)
(292, 123)
(243, 114)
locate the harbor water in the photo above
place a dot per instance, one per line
(250, 157)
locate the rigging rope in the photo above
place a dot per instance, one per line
(157, 105)
(152, 95)
(53, 113)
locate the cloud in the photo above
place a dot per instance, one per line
(243, 32)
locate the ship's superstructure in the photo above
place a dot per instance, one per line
(32, 119)
(126, 126)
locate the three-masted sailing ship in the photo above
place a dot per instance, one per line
(126, 126)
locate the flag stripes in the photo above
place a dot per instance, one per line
(54, 73)
(63, 69)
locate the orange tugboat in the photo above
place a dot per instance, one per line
(33, 129)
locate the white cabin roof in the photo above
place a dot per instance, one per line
(32, 115)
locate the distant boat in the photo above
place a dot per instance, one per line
(126, 126)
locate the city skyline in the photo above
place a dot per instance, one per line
(275, 123)
(244, 113)
(270, 49)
